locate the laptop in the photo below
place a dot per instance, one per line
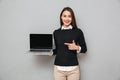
(41, 42)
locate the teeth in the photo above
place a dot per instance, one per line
(66, 22)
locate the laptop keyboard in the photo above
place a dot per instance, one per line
(42, 50)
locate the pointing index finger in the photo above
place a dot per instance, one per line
(67, 44)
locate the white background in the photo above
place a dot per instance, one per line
(98, 19)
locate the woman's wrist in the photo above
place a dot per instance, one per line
(77, 48)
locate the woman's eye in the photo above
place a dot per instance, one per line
(64, 15)
(69, 16)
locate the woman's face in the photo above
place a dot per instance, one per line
(66, 18)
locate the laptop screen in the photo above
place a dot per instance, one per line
(41, 41)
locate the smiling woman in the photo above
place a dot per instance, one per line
(66, 18)
(68, 41)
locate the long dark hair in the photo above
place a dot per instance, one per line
(73, 23)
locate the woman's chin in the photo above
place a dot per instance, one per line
(66, 25)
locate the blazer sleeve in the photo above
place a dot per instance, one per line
(81, 42)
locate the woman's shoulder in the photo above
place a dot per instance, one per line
(78, 30)
(56, 30)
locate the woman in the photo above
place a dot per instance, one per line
(69, 40)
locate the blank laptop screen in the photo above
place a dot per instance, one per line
(40, 41)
